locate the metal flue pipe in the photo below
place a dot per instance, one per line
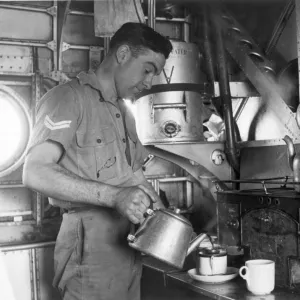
(208, 53)
(231, 149)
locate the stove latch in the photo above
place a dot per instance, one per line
(233, 223)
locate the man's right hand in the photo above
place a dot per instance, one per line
(132, 202)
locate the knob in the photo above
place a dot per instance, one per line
(171, 128)
(234, 223)
(218, 157)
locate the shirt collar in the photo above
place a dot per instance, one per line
(91, 79)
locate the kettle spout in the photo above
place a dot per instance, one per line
(290, 150)
(195, 242)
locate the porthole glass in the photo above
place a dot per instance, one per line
(15, 128)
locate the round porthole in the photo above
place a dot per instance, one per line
(15, 129)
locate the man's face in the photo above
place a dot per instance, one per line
(134, 74)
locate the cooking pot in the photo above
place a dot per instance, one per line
(165, 235)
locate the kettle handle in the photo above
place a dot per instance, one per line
(134, 233)
(290, 150)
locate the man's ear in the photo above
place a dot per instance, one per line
(123, 53)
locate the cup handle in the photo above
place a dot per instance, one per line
(244, 276)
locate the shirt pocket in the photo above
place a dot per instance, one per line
(97, 153)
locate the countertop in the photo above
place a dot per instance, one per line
(231, 290)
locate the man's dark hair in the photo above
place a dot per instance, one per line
(140, 37)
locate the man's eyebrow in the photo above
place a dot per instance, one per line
(154, 66)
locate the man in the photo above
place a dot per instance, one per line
(86, 157)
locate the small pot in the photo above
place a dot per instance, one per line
(211, 261)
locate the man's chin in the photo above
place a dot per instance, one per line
(133, 95)
(130, 97)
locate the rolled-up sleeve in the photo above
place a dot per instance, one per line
(141, 153)
(57, 117)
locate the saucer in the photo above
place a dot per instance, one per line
(220, 278)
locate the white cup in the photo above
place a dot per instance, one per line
(213, 265)
(259, 275)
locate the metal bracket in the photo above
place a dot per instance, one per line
(147, 161)
(52, 10)
(65, 46)
(52, 45)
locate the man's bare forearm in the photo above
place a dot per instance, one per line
(56, 182)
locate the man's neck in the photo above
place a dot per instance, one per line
(107, 83)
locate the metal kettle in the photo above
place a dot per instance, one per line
(294, 161)
(165, 235)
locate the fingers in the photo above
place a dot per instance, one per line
(141, 202)
(133, 202)
(134, 219)
(135, 215)
(150, 192)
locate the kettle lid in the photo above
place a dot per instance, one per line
(175, 213)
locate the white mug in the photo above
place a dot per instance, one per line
(259, 275)
(212, 264)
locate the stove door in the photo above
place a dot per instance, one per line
(271, 234)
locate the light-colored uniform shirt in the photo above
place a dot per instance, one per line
(91, 131)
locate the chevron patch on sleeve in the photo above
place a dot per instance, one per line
(56, 125)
